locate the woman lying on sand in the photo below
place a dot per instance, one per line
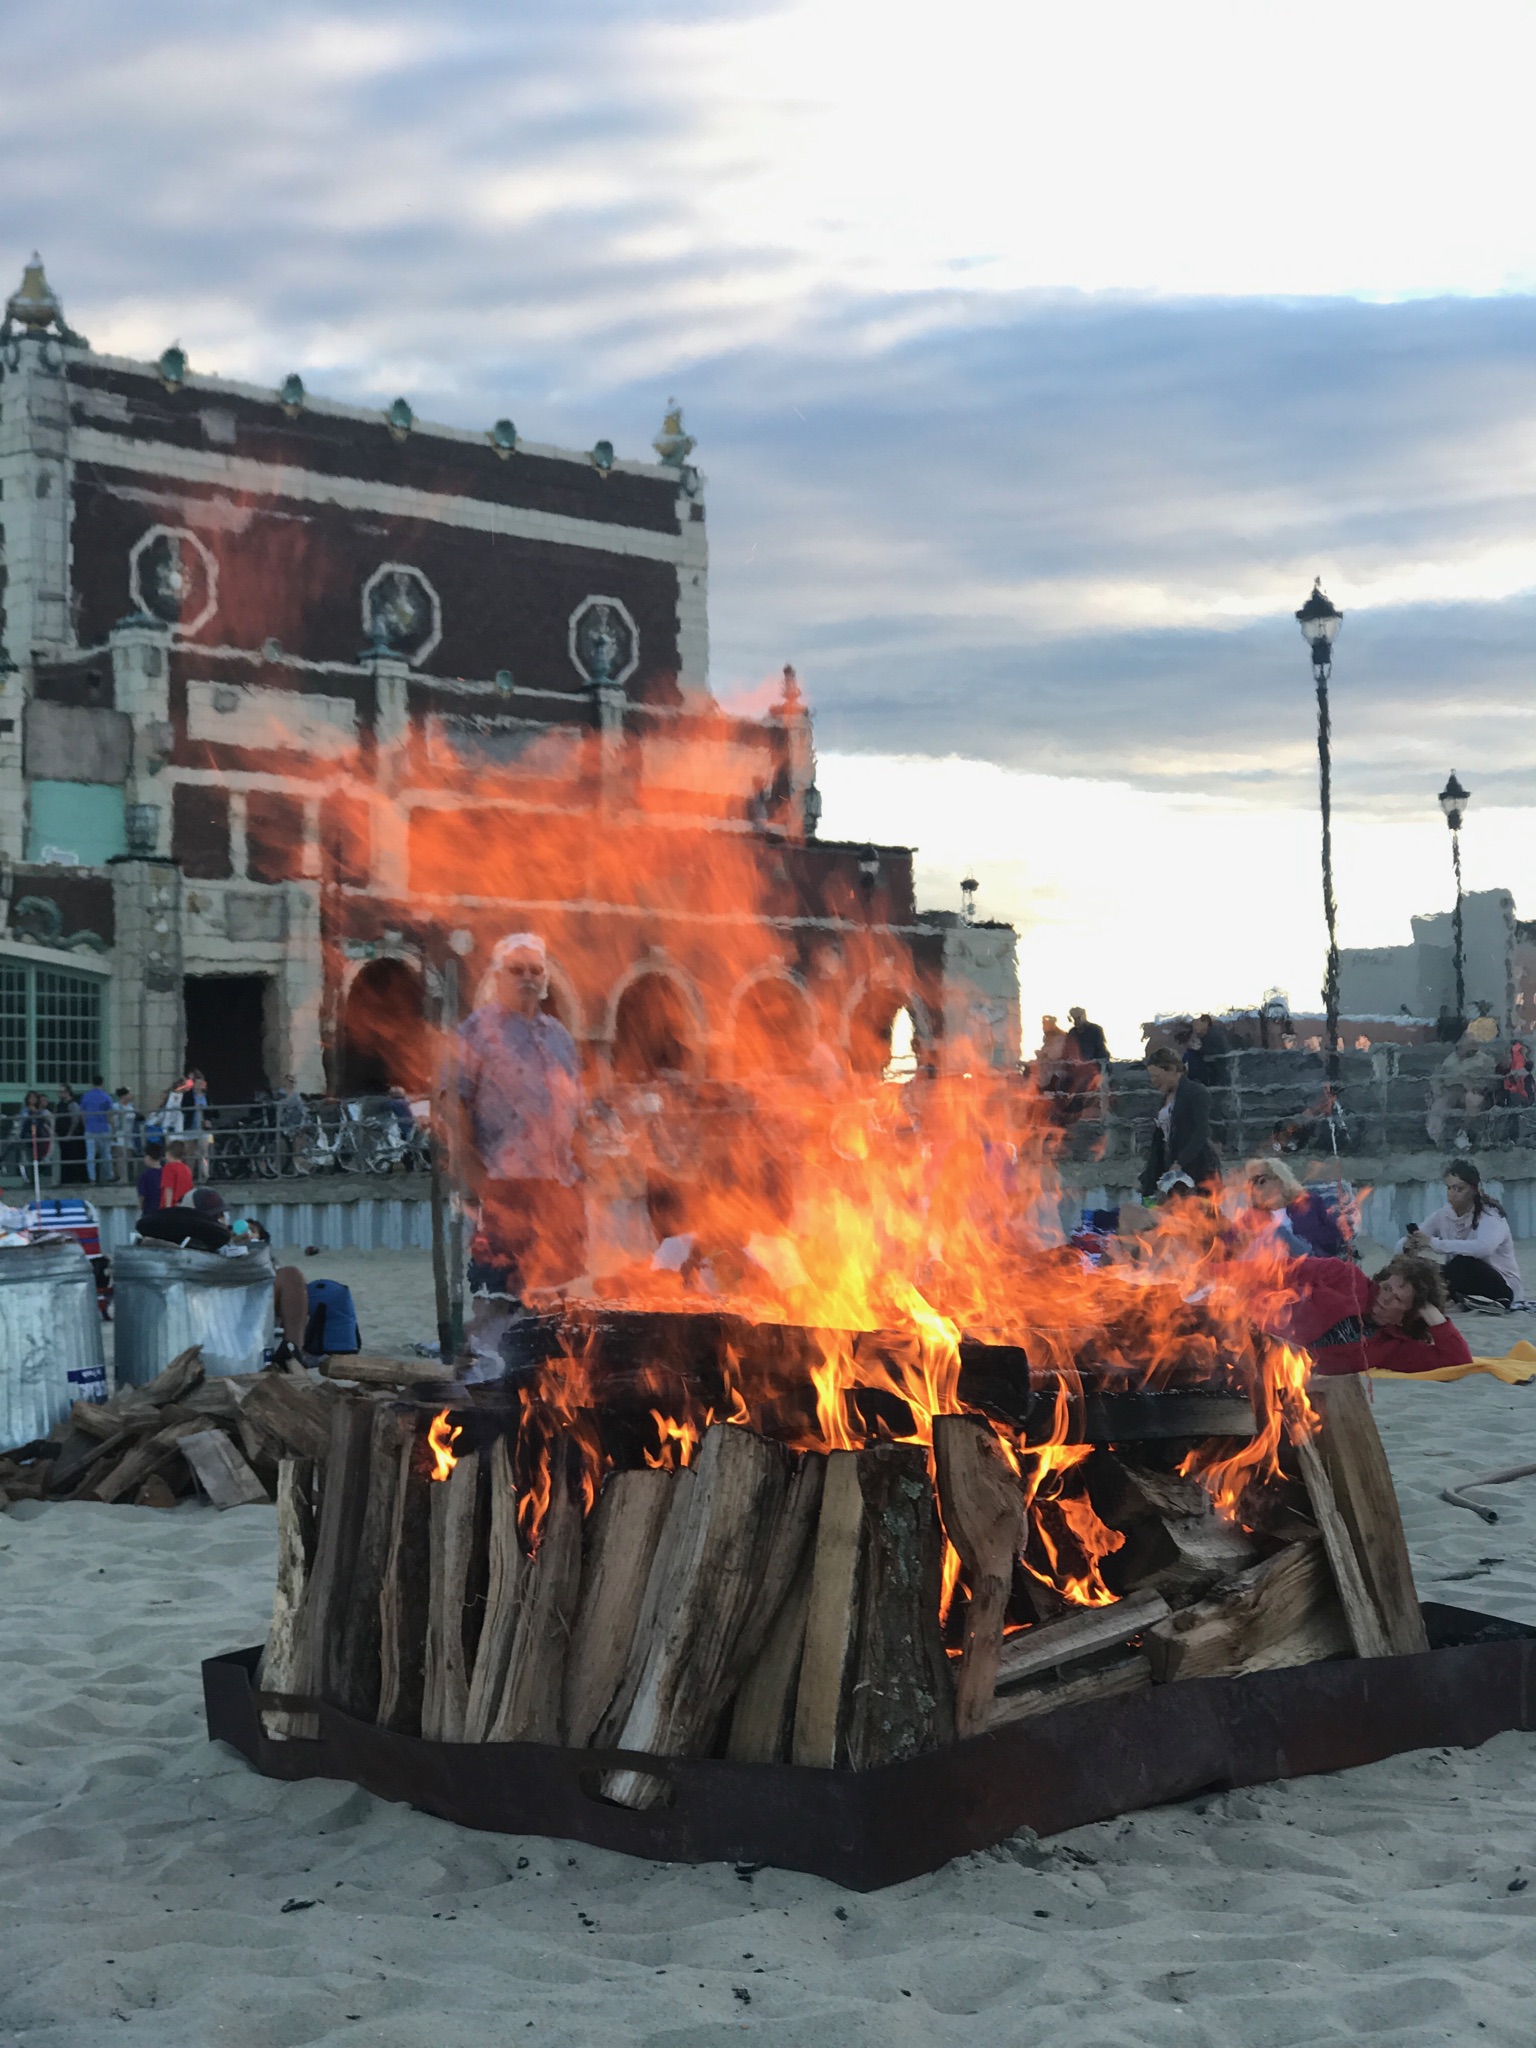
(1394, 1323)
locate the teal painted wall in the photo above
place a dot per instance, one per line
(82, 818)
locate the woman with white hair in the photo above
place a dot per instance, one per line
(520, 1088)
(1303, 1218)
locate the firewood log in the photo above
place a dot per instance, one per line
(623, 1532)
(184, 1372)
(156, 1492)
(903, 1696)
(220, 1470)
(1082, 1633)
(403, 1596)
(1099, 1679)
(1367, 1627)
(343, 1501)
(1357, 1468)
(354, 1678)
(832, 1618)
(1282, 1612)
(763, 1714)
(504, 1594)
(982, 1505)
(371, 1369)
(293, 1412)
(285, 1662)
(659, 1593)
(740, 1481)
(143, 1458)
(786, 1543)
(529, 1707)
(445, 1685)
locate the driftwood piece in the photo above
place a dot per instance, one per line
(1367, 1628)
(406, 1584)
(1356, 1463)
(445, 1684)
(293, 1413)
(1083, 1633)
(143, 1458)
(373, 1369)
(1282, 1612)
(354, 1676)
(343, 1500)
(220, 1470)
(763, 1716)
(285, 1662)
(529, 1707)
(832, 1619)
(503, 1599)
(740, 1483)
(623, 1533)
(982, 1504)
(903, 1697)
(1103, 1679)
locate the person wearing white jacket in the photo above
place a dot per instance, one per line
(1471, 1234)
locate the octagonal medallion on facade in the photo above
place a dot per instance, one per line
(173, 577)
(402, 612)
(604, 641)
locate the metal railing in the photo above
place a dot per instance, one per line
(223, 1143)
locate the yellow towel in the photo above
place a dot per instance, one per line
(1515, 1368)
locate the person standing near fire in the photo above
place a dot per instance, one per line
(521, 1099)
(1181, 1156)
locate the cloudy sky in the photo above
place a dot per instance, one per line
(1039, 358)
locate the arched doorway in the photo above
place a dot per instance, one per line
(651, 1035)
(884, 1041)
(773, 1030)
(384, 1032)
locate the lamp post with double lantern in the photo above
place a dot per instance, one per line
(1453, 801)
(1320, 622)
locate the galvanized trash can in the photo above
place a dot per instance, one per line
(50, 1338)
(165, 1299)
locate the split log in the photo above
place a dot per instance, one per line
(1367, 1629)
(789, 1543)
(503, 1600)
(144, 1458)
(1356, 1463)
(103, 1419)
(82, 1455)
(1080, 1634)
(354, 1678)
(902, 1701)
(1103, 1679)
(1282, 1612)
(445, 1684)
(763, 1716)
(740, 1483)
(659, 1593)
(343, 1500)
(372, 1369)
(982, 1505)
(285, 1662)
(832, 1619)
(156, 1492)
(1174, 1540)
(530, 1702)
(404, 1593)
(184, 1372)
(623, 1533)
(293, 1413)
(220, 1470)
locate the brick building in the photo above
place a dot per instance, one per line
(303, 704)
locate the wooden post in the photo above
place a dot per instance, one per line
(503, 1599)
(1357, 1468)
(445, 1685)
(623, 1534)
(285, 1661)
(404, 1594)
(982, 1504)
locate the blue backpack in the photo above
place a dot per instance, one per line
(332, 1325)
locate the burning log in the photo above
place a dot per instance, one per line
(982, 1504)
(1283, 1611)
(713, 1572)
(1352, 1455)
(1174, 1540)
(529, 1710)
(902, 1699)
(285, 1662)
(625, 1528)
(1051, 1644)
(1367, 1630)
(445, 1686)
(503, 1599)
(832, 1616)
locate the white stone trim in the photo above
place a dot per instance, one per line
(241, 473)
(82, 962)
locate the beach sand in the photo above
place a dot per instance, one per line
(144, 1874)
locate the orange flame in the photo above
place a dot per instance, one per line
(441, 1439)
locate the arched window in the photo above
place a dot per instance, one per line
(773, 1030)
(902, 1064)
(383, 1032)
(883, 1040)
(651, 1033)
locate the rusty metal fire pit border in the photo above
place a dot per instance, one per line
(867, 1829)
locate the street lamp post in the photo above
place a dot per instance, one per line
(1453, 801)
(1320, 622)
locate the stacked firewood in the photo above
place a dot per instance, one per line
(772, 1607)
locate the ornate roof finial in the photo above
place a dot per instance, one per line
(792, 704)
(672, 445)
(34, 308)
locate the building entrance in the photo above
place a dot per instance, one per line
(226, 1028)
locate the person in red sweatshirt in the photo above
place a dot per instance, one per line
(1394, 1323)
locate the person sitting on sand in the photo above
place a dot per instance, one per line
(1305, 1223)
(1394, 1323)
(1472, 1235)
